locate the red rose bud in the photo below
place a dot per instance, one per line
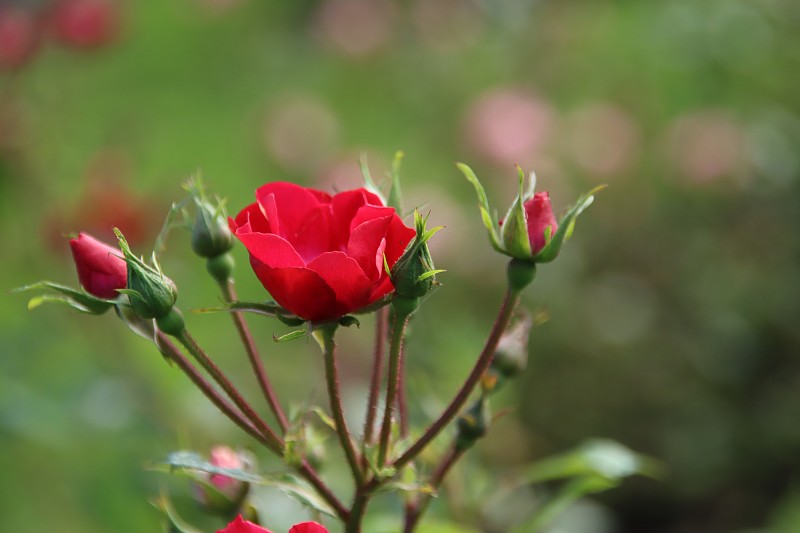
(101, 269)
(413, 275)
(540, 220)
(220, 493)
(86, 23)
(529, 232)
(320, 256)
(151, 293)
(19, 37)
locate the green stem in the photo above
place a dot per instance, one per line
(399, 323)
(414, 513)
(335, 399)
(229, 293)
(357, 511)
(481, 365)
(275, 443)
(228, 410)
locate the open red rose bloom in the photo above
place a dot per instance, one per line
(321, 256)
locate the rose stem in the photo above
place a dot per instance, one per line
(275, 442)
(229, 294)
(481, 365)
(335, 399)
(402, 398)
(399, 323)
(377, 370)
(223, 405)
(413, 513)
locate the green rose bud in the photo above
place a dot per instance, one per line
(473, 424)
(413, 275)
(210, 233)
(151, 293)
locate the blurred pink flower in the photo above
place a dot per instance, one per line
(343, 172)
(706, 145)
(355, 28)
(301, 132)
(509, 126)
(225, 457)
(602, 139)
(85, 23)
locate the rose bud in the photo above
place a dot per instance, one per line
(19, 37)
(85, 23)
(101, 269)
(529, 232)
(473, 424)
(413, 274)
(151, 293)
(320, 256)
(220, 493)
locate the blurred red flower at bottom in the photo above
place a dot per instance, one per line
(240, 525)
(86, 23)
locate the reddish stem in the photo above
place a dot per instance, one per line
(381, 317)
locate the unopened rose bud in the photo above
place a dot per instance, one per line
(219, 493)
(511, 355)
(151, 293)
(473, 424)
(413, 275)
(211, 235)
(101, 269)
(529, 232)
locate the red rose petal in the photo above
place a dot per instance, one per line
(345, 205)
(308, 527)
(301, 291)
(240, 525)
(270, 249)
(345, 277)
(366, 240)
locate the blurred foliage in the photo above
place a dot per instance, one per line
(673, 308)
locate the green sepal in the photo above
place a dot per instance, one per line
(259, 308)
(565, 227)
(292, 335)
(77, 299)
(349, 321)
(514, 231)
(483, 204)
(369, 183)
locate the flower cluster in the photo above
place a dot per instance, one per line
(321, 258)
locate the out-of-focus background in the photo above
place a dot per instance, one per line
(673, 310)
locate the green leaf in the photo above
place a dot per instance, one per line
(188, 462)
(78, 299)
(483, 204)
(565, 227)
(301, 493)
(265, 308)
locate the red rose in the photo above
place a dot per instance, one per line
(240, 525)
(321, 257)
(101, 269)
(539, 217)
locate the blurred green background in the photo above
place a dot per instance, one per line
(673, 310)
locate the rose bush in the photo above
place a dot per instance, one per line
(240, 525)
(321, 256)
(101, 269)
